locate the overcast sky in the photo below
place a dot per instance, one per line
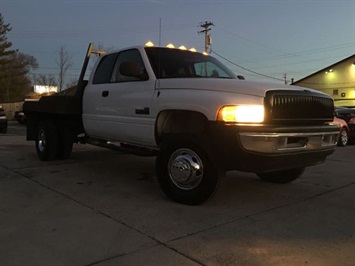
(273, 38)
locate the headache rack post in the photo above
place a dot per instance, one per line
(81, 83)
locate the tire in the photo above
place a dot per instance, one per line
(281, 177)
(46, 141)
(185, 168)
(65, 142)
(343, 137)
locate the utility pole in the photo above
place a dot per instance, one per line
(285, 78)
(206, 28)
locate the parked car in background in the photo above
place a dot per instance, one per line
(347, 114)
(20, 117)
(3, 120)
(343, 131)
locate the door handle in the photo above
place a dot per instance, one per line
(142, 111)
(105, 93)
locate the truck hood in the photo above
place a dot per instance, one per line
(225, 85)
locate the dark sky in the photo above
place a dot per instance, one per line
(273, 38)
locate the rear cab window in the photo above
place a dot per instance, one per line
(109, 68)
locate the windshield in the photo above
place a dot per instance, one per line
(174, 63)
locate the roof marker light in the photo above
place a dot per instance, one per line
(149, 44)
(170, 45)
(182, 47)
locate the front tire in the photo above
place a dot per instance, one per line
(343, 137)
(46, 141)
(186, 170)
(281, 177)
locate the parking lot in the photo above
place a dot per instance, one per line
(105, 208)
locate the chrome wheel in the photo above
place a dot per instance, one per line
(185, 169)
(46, 141)
(343, 138)
(41, 144)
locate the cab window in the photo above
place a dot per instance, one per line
(104, 69)
(128, 67)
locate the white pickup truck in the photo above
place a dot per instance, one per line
(190, 111)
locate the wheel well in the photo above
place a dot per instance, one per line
(180, 121)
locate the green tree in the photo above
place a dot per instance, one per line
(14, 68)
(4, 44)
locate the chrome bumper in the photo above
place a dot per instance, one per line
(279, 143)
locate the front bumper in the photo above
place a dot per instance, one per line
(272, 148)
(284, 142)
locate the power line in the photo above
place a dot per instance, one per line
(283, 54)
(57, 68)
(303, 53)
(249, 70)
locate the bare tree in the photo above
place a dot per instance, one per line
(48, 80)
(64, 63)
(71, 83)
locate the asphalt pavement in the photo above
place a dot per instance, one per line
(105, 208)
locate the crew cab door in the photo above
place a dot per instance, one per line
(117, 105)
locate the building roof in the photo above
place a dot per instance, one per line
(324, 69)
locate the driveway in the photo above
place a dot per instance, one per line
(105, 208)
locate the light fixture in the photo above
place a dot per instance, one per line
(329, 71)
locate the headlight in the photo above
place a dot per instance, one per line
(242, 113)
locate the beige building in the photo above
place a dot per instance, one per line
(337, 80)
